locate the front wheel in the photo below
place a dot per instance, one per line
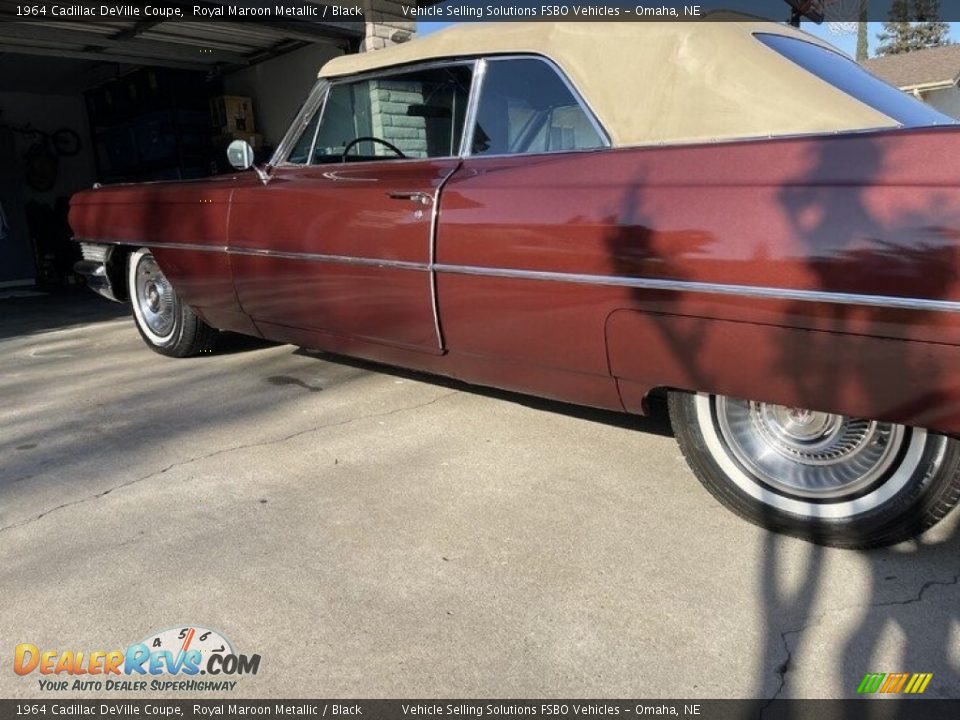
(832, 479)
(165, 322)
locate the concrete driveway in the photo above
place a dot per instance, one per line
(376, 534)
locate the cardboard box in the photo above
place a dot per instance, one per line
(232, 113)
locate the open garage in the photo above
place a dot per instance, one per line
(136, 100)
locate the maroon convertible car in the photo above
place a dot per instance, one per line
(729, 213)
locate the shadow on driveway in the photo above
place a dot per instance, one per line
(55, 310)
(657, 422)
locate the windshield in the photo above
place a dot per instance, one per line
(850, 78)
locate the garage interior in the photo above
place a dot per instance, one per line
(84, 102)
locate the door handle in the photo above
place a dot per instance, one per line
(416, 196)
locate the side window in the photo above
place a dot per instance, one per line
(419, 114)
(525, 107)
(851, 78)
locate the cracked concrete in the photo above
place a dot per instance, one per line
(379, 534)
(219, 452)
(947, 646)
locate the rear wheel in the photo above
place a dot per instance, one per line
(833, 479)
(165, 322)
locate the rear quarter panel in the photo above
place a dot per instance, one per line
(867, 214)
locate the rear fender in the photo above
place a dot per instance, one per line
(894, 380)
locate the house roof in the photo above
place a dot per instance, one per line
(931, 67)
(651, 82)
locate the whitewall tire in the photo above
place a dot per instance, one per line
(165, 322)
(832, 479)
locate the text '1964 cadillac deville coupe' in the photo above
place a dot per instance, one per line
(730, 213)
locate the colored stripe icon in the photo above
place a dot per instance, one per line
(892, 683)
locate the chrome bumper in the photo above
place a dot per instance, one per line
(93, 268)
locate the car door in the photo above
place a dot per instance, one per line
(339, 239)
(529, 204)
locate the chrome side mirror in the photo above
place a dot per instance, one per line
(240, 155)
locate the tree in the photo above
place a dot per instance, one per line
(897, 34)
(863, 42)
(912, 26)
(929, 31)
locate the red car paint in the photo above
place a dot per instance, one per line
(533, 273)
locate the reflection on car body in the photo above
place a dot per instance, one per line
(598, 214)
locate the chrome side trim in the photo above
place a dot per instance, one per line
(151, 244)
(320, 257)
(758, 291)
(188, 246)
(434, 216)
(263, 252)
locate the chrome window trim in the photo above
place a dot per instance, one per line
(947, 121)
(372, 75)
(545, 154)
(316, 129)
(584, 105)
(479, 66)
(401, 69)
(822, 135)
(470, 122)
(758, 291)
(693, 143)
(601, 131)
(367, 163)
(286, 145)
(318, 95)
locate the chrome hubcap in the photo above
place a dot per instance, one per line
(155, 298)
(807, 453)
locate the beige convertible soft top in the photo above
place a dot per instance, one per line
(652, 82)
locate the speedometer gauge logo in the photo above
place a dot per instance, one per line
(181, 640)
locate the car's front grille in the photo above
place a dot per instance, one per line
(94, 253)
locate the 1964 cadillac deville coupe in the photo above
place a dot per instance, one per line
(731, 213)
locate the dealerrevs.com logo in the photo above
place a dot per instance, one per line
(169, 660)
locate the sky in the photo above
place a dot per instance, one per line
(847, 42)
